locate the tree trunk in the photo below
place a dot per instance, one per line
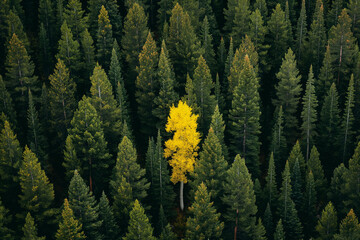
(182, 195)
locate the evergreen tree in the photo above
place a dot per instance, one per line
(349, 227)
(90, 146)
(301, 32)
(278, 142)
(259, 231)
(147, 86)
(229, 61)
(218, 93)
(138, 220)
(69, 227)
(327, 224)
(83, 203)
(115, 71)
(88, 53)
(337, 192)
(278, 36)
(347, 121)
(20, 74)
(5, 232)
(37, 193)
(287, 211)
(241, 21)
(104, 38)
(35, 136)
(167, 95)
(354, 12)
(329, 128)
(326, 76)
(288, 94)
(109, 228)
(6, 105)
(261, 5)
(240, 200)
(268, 221)
(297, 194)
(334, 12)
(204, 222)
(279, 232)
(218, 125)
(44, 111)
(75, 19)
(270, 189)
(30, 230)
(135, 32)
(309, 207)
(164, 12)
(71, 162)
(229, 15)
(296, 154)
(44, 51)
(47, 18)
(204, 99)
(315, 45)
(343, 48)
(15, 26)
(206, 43)
(167, 233)
(352, 180)
(314, 165)
(244, 118)
(61, 98)
(211, 168)
(309, 113)
(102, 99)
(123, 105)
(68, 50)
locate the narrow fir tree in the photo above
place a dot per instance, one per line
(71, 162)
(336, 192)
(297, 182)
(204, 222)
(354, 12)
(104, 38)
(115, 71)
(327, 224)
(88, 53)
(314, 165)
(109, 228)
(6, 105)
(206, 43)
(326, 76)
(5, 219)
(15, 26)
(218, 125)
(349, 227)
(221, 58)
(261, 5)
(278, 142)
(241, 21)
(45, 60)
(309, 208)
(334, 12)
(30, 229)
(75, 17)
(229, 60)
(301, 32)
(268, 221)
(352, 179)
(270, 189)
(296, 154)
(279, 232)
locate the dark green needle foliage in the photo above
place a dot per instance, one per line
(309, 206)
(296, 155)
(279, 232)
(83, 203)
(30, 229)
(109, 228)
(204, 222)
(314, 165)
(352, 180)
(5, 219)
(104, 38)
(326, 76)
(75, 17)
(218, 125)
(349, 227)
(270, 189)
(88, 54)
(6, 106)
(278, 142)
(207, 44)
(297, 184)
(327, 224)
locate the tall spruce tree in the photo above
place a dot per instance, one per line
(309, 208)
(206, 43)
(75, 18)
(88, 53)
(296, 155)
(244, 118)
(270, 188)
(218, 125)
(241, 21)
(349, 227)
(314, 165)
(109, 228)
(30, 229)
(204, 222)
(6, 105)
(301, 32)
(352, 180)
(15, 26)
(288, 94)
(278, 142)
(83, 203)
(309, 113)
(147, 86)
(327, 224)
(326, 76)
(115, 71)
(279, 232)
(354, 12)
(5, 219)
(104, 38)
(241, 209)
(90, 145)
(44, 61)
(334, 12)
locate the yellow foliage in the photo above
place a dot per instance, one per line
(181, 149)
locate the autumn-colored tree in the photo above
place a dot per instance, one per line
(182, 148)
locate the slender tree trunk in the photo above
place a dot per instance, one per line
(236, 224)
(182, 195)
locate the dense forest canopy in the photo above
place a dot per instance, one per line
(179, 119)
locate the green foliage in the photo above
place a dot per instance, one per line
(352, 181)
(90, 146)
(349, 227)
(83, 203)
(5, 219)
(278, 142)
(109, 228)
(240, 201)
(6, 105)
(354, 12)
(15, 26)
(296, 154)
(88, 53)
(279, 232)
(241, 21)
(309, 207)
(326, 76)
(204, 222)
(30, 230)
(301, 32)
(314, 165)
(338, 185)
(244, 118)
(44, 51)
(270, 189)
(104, 38)
(69, 227)
(268, 221)
(218, 125)
(75, 19)
(297, 194)
(288, 94)
(334, 12)
(207, 45)
(327, 224)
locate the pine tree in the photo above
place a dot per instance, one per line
(135, 32)
(218, 125)
(337, 193)
(138, 220)
(287, 211)
(261, 5)
(204, 222)
(259, 231)
(20, 74)
(241, 21)
(167, 233)
(45, 60)
(88, 53)
(211, 167)
(327, 224)
(164, 12)
(349, 227)
(47, 18)
(220, 100)
(206, 43)
(90, 145)
(75, 19)
(278, 36)
(270, 189)
(314, 165)
(109, 228)
(244, 118)
(347, 121)
(126, 167)
(83, 203)
(352, 179)
(334, 12)
(354, 12)
(229, 15)
(71, 162)
(228, 62)
(35, 136)
(268, 221)
(329, 128)
(37, 193)
(205, 100)
(61, 98)
(6, 105)
(315, 45)
(278, 142)
(297, 194)
(167, 95)
(30, 229)
(279, 232)
(309, 208)
(147, 86)
(288, 94)
(240, 200)
(296, 154)
(104, 38)
(301, 32)
(326, 76)
(44, 111)
(115, 71)
(68, 50)
(5, 232)
(15, 26)
(102, 99)
(69, 227)
(309, 113)
(343, 48)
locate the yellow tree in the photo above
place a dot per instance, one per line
(182, 148)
